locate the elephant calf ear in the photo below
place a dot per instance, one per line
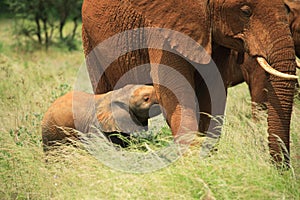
(105, 116)
(188, 24)
(118, 119)
(113, 112)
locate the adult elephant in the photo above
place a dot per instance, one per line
(235, 71)
(258, 28)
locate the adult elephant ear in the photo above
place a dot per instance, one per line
(185, 25)
(290, 3)
(294, 21)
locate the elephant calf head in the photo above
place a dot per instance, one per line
(123, 111)
(128, 109)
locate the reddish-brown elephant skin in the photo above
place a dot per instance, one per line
(235, 70)
(241, 68)
(79, 110)
(294, 21)
(249, 70)
(259, 28)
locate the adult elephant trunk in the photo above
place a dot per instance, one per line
(280, 96)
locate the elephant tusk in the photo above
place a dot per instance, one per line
(298, 63)
(264, 64)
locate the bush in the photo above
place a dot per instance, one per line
(38, 20)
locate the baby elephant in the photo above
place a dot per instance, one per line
(121, 111)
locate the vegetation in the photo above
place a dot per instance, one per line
(38, 20)
(239, 169)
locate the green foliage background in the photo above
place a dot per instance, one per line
(43, 22)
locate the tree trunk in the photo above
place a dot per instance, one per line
(46, 33)
(38, 29)
(74, 28)
(61, 27)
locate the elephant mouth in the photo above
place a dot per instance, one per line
(265, 65)
(154, 110)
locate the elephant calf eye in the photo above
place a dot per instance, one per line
(146, 98)
(246, 10)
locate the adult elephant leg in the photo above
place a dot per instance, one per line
(258, 95)
(211, 83)
(256, 79)
(211, 94)
(173, 79)
(204, 102)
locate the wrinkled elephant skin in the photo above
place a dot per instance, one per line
(249, 71)
(121, 111)
(244, 26)
(294, 21)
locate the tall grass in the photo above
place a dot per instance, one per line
(239, 169)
